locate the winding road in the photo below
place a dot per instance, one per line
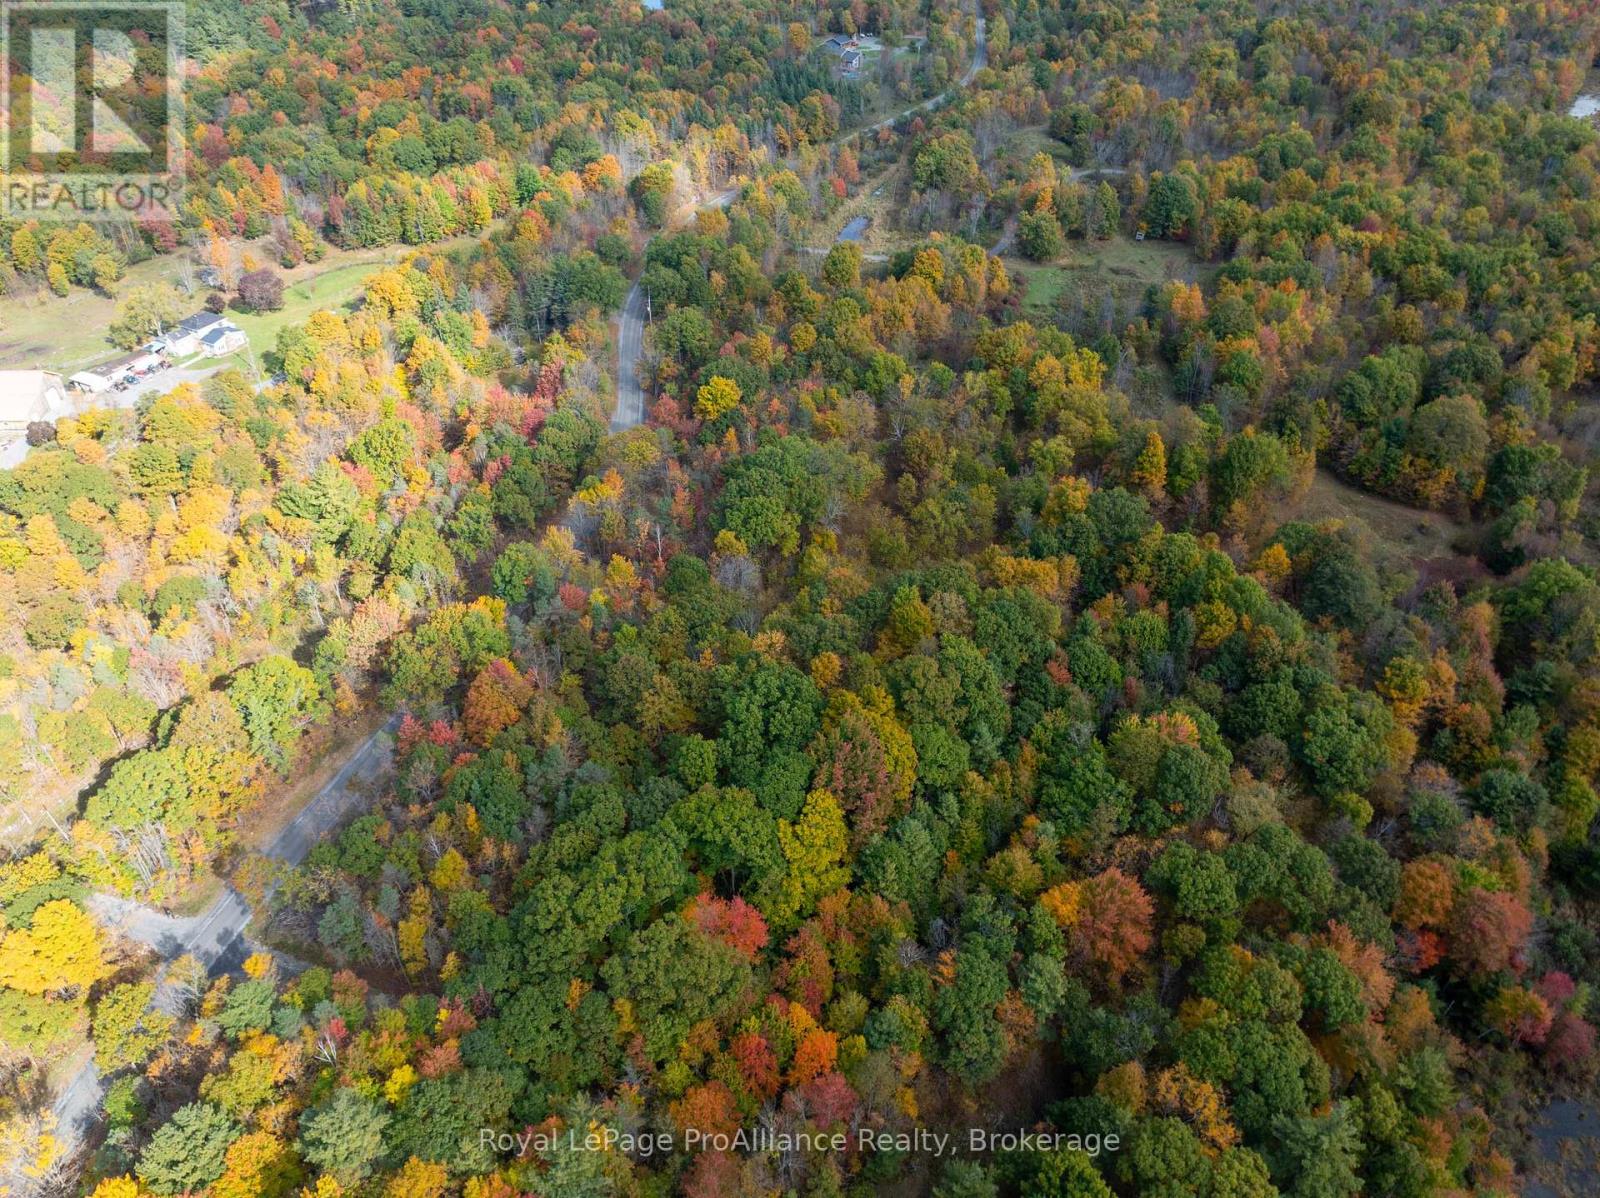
(636, 309)
(215, 937)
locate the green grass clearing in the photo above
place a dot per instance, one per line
(68, 333)
(1041, 285)
(1129, 267)
(1035, 139)
(332, 289)
(1421, 535)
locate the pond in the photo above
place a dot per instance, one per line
(1566, 1150)
(1585, 106)
(854, 229)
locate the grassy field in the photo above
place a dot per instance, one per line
(334, 288)
(1422, 536)
(68, 333)
(1040, 284)
(1035, 139)
(1130, 266)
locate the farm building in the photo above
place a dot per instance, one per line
(27, 396)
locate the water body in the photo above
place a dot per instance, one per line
(1585, 106)
(854, 230)
(654, 5)
(1566, 1150)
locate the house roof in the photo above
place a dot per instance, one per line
(118, 367)
(198, 323)
(30, 395)
(90, 380)
(217, 335)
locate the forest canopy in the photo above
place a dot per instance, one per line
(1105, 648)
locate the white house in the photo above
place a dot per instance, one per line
(223, 339)
(183, 339)
(27, 396)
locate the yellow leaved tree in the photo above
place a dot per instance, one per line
(63, 948)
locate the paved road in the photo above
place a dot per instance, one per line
(635, 312)
(215, 937)
(630, 338)
(207, 936)
(630, 348)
